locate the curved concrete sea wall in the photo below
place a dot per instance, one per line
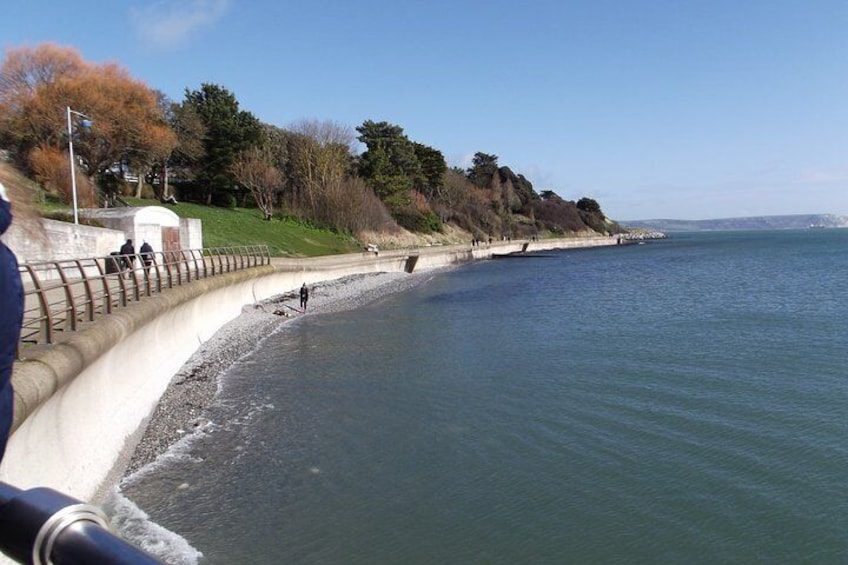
(80, 404)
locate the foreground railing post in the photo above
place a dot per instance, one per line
(70, 304)
(43, 526)
(168, 262)
(195, 265)
(220, 256)
(208, 264)
(111, 267)
(227, 255)
(158, 272)
(200, 256)
(122, 282)
(46, 316)
(86, 309)
(89, 292)
(184, 262)
(135, 281)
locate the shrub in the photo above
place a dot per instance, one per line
(51, 169)
(594, 221)
(417, 221)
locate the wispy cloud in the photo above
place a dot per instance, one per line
(165, 24)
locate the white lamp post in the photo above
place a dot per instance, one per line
(86, 124)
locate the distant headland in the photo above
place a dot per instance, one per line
(789, 222)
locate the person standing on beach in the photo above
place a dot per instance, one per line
(304, 297)
(11, 318)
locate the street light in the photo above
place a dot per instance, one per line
(86, 123)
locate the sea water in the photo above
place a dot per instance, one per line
(683, 401)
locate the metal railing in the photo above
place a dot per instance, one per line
(42, 526)
(61, 296)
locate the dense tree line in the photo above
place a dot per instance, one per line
(205, 148)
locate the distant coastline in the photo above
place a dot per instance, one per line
(789, 222)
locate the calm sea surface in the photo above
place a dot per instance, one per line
(684, 401)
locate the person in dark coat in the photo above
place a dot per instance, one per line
(128, 254)
(304, 297)
(11, 318)
(146, 253)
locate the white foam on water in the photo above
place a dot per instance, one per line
(179, 451)
(135, 526)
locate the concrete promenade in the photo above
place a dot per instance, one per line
(80, 405)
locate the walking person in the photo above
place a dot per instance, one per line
(304, 297)
(146, 253)
(11, 318)
(128, 255)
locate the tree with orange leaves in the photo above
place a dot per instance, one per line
(27, 78)
(38, 85)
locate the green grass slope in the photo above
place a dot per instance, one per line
(244, 226)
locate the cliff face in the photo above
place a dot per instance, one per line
(790, 222)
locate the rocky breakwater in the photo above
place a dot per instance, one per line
(642, 235)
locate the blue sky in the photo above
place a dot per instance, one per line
(689, 109)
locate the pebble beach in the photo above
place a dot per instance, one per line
(195, 386)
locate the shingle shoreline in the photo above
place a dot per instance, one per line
(194, 387)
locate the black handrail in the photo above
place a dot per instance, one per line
(42, 526)
(61, 295)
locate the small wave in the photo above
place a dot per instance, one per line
(183, 450)
(136, 527)
(178, 451)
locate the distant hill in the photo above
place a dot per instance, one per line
(793, 222)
